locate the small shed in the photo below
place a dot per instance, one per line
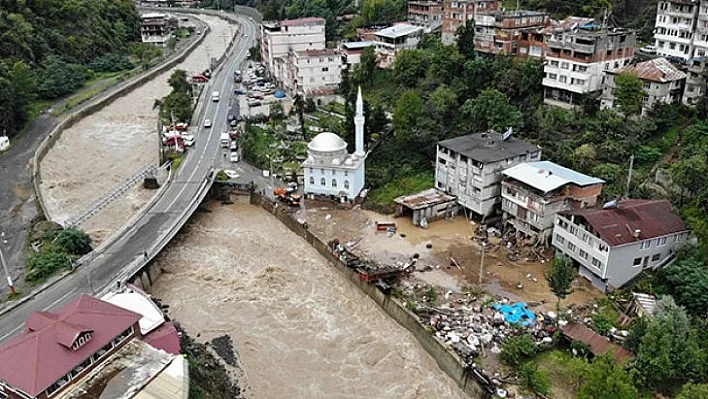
(597, 343)
(642, 305)
(426, 206)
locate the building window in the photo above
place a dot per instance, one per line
(57, 385)
(312, 180)
(334, 182)
(81, 367)
(322, 171)
(323, 182)
(346, 173)
(596, 263)
(346, 184)
(554, 64)
(571, 246)
(583, 254)
(552, 76)
(602, 247)
(559, 239)
(661, 241)
(646, 244)
(655, 257)
(565, 65)
(563, 79)
(637, 262)
(325, 69)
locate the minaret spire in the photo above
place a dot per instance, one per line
(359, 125)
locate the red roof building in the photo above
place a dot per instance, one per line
(58, 349)
(598, 344)
(614, 243)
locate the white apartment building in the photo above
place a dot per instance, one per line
(675, 27)
(155, 28)
(470, 168)
(312, 72)
(279, 38)
(613, 244)
(577, 58)
(663, 83)
(351, 52)
(392, 40)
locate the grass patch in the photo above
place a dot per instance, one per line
(36, 107)
(336, 107)
(564, 378)
(177, 160)
(382, 197)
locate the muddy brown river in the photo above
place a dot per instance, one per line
(107, 147)
(300, 329)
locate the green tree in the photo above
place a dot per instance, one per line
(465, 39)
(41, 265)
(559, 276)
(688, 284)
(364, 72)
(408, 108)
(490, 111)
(693, 391)
(73, 241)
(636, 334)
(628, 93)
(178, 82)
(517, 349)
(604, 379)
(59, 78)
(299, 108)
(584, 156)
(668, 354)
(276, 111)
(409, 67)
(534, 379)
(444, 102)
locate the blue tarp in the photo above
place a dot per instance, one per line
(517, 313)
(279, 94)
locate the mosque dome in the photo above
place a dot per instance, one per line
(327, 142)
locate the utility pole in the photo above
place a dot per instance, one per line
(4, 265)
(629, 175)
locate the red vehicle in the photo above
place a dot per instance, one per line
(383, 274)
(199, 78)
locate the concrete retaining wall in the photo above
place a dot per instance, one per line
(447, 360)
(94, 106)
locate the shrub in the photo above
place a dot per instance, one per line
(518, 348)
(111, 63)
(534, 379)
(43, 264)
(73, 241)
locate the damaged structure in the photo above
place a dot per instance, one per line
(615, 243)
(426, 206)
(470, 167)
(534, 192)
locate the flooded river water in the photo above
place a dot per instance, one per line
(301, 330)
(105, 148)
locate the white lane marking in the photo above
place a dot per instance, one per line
(208, 141)
(59, 300)
(11, 332)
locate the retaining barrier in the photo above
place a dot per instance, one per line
(447, 360)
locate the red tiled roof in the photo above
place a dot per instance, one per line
(164, 337)
(301, 21)
(597, 343)
(656, 70)
(616, 226)
(38, 357)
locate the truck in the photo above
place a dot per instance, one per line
(287, 196)
(224, 140)
(215, 96)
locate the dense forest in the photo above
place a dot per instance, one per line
(49, 48)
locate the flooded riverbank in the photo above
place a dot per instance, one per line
(103, 149)
(300, 329)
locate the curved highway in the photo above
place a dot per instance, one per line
(157, 226)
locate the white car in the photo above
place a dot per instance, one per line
(648, 49)
(189, 139)
(231, 173)
(234, 157)
(207, 122)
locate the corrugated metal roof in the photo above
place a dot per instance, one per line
(657, 70)
(488, 147)
(548, 176)
(37, 358)
(396, 31)
(171, 383)
(617, 225)
(597, 343)
(357, 45)
(424, 199)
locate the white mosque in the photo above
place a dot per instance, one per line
(331, 171)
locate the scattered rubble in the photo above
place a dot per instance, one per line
(224, 347)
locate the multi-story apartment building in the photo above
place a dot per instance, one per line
(700, 38)
(534, 192)
(428, 14)
(500, 32)
(279, 38)
(351, 52)
(311, 72)
(695, 87)
(458, 12)
(577, 58)
(392, 40)
(470, 167)
(675, 27)
(155, 28)
(613, 244)
(663, 83)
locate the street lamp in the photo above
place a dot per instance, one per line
(4, 265)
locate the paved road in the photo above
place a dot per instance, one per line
(163, 216)
(17, 199)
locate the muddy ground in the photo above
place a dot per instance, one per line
(299, 328)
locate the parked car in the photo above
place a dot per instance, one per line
(189, 139)
(253, 103)
(234, 157)
(234, 123)
(231, 117)
(231, 174)
(207, 123)
(648, 49)
(239, 92)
